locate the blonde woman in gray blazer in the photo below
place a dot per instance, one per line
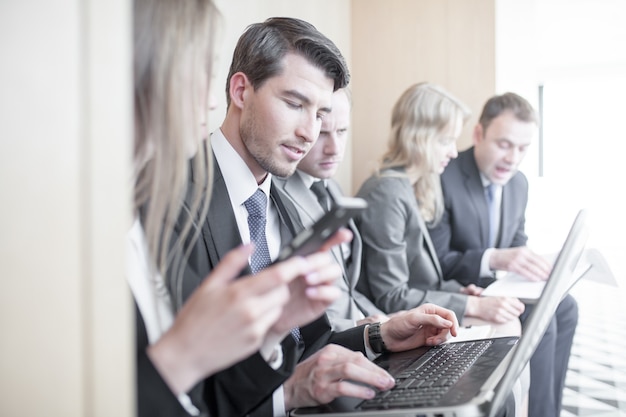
(400, 269)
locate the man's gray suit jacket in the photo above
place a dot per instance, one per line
(348, 308)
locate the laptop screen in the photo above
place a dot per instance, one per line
(561, 279)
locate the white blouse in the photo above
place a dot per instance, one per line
(150, 294)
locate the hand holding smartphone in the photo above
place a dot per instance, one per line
(313, 238)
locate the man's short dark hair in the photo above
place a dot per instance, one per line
(262, 47)
(496, 105)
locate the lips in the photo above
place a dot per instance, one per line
(503, 172)
(294, 152)
(329, 164)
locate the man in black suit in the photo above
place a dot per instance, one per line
(482, 231)
(279, 87)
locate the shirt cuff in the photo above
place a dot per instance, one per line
(371, 355)
(278, 402)
(485, 271)
(186, 403)
(273, 356)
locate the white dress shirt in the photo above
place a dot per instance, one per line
(151, 294)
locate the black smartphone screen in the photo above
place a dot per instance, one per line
(311, 239)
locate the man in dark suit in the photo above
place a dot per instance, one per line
(279, 87)
(482, 231)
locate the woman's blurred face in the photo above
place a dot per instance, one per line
(445, 144)
(207, 102)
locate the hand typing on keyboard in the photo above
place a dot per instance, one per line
(335, 371)
(426, 325)
(332, 372)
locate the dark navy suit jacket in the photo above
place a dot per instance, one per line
(461, 237)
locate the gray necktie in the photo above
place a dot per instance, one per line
(493, 215)
(256, 206)
(326, 201)
(321, 192)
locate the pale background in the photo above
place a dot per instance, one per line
(66, 125)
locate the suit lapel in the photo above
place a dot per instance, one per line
(220, 231)
(290, 224)
(356, 245)
(475, 192)
(308, 207)
(430, 248)
(348, 273)
(303, 199)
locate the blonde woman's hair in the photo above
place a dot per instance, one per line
(173, 49)
(422, 113)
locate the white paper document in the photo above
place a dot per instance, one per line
(474, 332)
(514, 285)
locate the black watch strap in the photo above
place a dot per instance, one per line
(376, 341)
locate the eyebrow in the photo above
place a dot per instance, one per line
(304, 99)
(510, 142)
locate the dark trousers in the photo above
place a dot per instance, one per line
(548, 365)
(508, 409)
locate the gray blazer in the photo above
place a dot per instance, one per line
(352, 304)
(460, 238)
(400, 269)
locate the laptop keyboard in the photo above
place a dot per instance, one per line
(424, 381)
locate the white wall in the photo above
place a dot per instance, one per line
(65, 317)
(575, 50)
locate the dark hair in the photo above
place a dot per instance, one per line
(262, 46)
(496, 105)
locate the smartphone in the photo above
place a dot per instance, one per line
(311, 239)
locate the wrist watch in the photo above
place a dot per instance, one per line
(375, 339)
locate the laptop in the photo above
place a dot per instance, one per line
(489, 367)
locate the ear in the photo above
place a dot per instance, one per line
(238, 85)
(477, 136)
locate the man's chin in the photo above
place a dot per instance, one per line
(503, 179)
(282, 171)
(325, 174)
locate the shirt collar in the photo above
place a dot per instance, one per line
(308, 180)
(484, 180)
(240, 182)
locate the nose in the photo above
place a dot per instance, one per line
(332, 145)
(452, 151)
(309, 129)
(513, 156)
